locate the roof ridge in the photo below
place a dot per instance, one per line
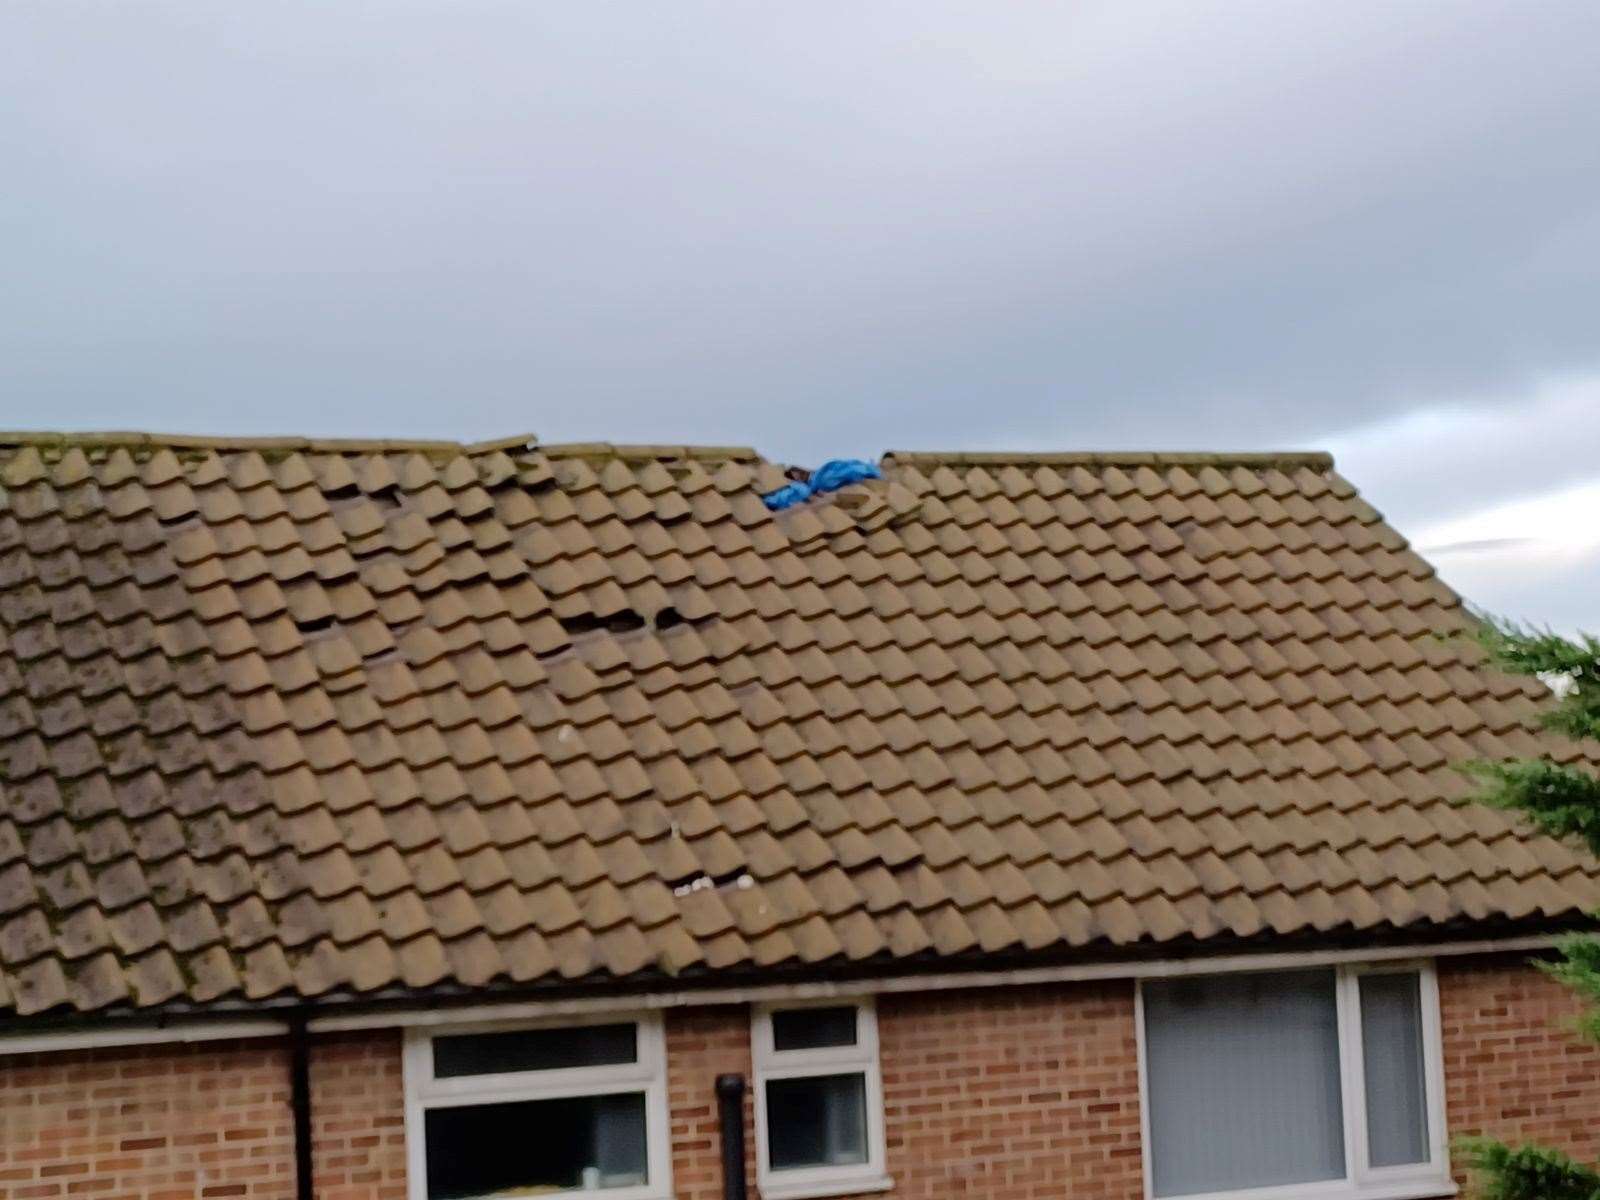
(645, 450)
(190, 441)
(138, 439)
(1317, 459)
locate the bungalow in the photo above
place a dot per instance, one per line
(424, 821)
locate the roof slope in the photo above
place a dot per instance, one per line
(342, 720)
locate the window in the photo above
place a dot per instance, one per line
(1312, 1084)
(538, 1110)
(819, 1100)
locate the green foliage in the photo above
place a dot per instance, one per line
(1579, 968)
(1572, 666)
(1563, 801)
(1529, 1172)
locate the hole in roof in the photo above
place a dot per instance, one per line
(580, 624)
(187, 520)
(623, 621)
(347, 491)
(314, 624)
(668, 618)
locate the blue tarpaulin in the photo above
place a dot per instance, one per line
(829, 477)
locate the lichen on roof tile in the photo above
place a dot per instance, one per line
(289, 718)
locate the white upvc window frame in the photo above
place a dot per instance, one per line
(1410, 1181)
(647, 1074)
(802, 1183)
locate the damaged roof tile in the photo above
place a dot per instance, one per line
(284, 718)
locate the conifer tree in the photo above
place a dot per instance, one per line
(1563, 801)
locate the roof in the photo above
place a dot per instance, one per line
(294, 721)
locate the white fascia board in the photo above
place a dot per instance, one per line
(175, 1032)
(890, 985)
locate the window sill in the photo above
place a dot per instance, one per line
(808, 1189)
(1434, 1188)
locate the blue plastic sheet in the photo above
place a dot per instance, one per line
(829, 477)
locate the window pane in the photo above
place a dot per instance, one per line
(530, 1147)
(1391, 1048)
(813, 1028)
(1244, 1081)
(819, 1121)
(534, 1050)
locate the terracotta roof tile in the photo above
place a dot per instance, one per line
(327, 719)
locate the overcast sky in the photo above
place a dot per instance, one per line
(832, 228)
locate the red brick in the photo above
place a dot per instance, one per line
(1513, 1067)
(1015, 1094)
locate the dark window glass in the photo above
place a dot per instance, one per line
(1391, 1048)
(534, 1050)
(814, 1028)
(529, 1147)
(818, 1121)
(1243, 1082)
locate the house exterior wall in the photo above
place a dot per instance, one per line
(1513, 1069)
(703, 1043)
(207, 1120)
(1013, 1094)
(1019, 1094)
(148, 1123)
(358, 1117)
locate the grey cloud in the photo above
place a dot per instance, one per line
(819, 228)
(1433, 463)
(1562, 593)
(1480, 546)
(828, 228)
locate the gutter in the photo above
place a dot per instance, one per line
(730, 1120)
(900, 984)
(300, 1103)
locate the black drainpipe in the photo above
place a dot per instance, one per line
(300, 1102)
(730, 1116)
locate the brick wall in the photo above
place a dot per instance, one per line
(208, 1120)
(1018, 1094)
(1004, 1095)
(1013, 1095)
(148, 1123)
(1512, 1067)
(358, 1132)
(703, 1043)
